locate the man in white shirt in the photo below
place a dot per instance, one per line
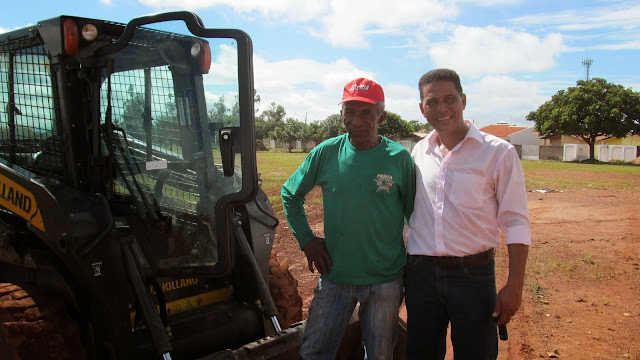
(469, 188)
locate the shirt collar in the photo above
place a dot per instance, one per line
(473, 133)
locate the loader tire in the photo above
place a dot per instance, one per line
(284, 290)
(36, 326)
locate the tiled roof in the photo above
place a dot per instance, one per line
(502, 130)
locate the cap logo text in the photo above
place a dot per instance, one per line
(356, 87)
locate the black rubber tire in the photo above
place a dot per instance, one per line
(36, 326)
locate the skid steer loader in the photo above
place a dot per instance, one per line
(132, 224)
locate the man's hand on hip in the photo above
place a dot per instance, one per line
(318, 256)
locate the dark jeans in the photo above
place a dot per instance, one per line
(465, 297)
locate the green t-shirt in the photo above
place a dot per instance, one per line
(366, 194)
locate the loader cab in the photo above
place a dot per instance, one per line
(157, 115)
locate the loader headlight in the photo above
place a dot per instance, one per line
(195, 49)
(89, 32)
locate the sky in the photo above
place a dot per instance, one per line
(511, 55)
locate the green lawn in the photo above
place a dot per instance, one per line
(276, 167)
(559, 175)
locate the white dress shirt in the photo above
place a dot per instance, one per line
(467, 197)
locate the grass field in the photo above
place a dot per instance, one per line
(581, 297)
(560, 175)
(276, 167)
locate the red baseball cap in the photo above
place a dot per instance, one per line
(362, 89)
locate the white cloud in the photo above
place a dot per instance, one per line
(615, 16)
(629, 45)
(474, 51)
(514, 99)
(339, 23)
(286, 10)
(3, 30)
(304, 87)
(614, 27)
(348, 22)
(403, 100)
(106, 2)
(312, 90)
(224, 67)
(491, 2)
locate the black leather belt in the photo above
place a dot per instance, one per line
(455, 262)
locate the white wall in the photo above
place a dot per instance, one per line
(608, 153)
(530, 152)
(573, 152)
(525, 137)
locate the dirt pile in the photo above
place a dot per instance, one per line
(284, 289)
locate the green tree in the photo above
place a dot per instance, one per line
(219, 111)
(269, 119)
(235, 108)
(333, 126)
(132, 115)
(288, 132)
(417, 126)
(256, 101)
(592, 108)
(316, 132)
(394, 128)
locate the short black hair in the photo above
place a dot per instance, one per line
(440, 75)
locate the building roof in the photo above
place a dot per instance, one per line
(421, 134)
(502, 130)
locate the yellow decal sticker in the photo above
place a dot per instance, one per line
(193, 302)
(21, 202)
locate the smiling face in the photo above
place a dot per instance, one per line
(361, 120)
(442, 105)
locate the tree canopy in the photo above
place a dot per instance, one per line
(270, 118)
(591, 109)
(394, 128)
(271, 123)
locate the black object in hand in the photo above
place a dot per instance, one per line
(502, 332)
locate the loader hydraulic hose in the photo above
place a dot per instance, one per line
(268, 306)
(147, 307)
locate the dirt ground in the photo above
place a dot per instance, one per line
(581, 298)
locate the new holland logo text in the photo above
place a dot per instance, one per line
(21, 202)
(384, 182)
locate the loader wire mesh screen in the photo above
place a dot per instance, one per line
(29, 135)
(152, 150)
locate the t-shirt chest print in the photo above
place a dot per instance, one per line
(384, 182)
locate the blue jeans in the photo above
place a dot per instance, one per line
(331, 309)
(465, 297)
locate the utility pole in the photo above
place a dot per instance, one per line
(587, 64)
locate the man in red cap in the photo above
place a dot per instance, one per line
(368, 187)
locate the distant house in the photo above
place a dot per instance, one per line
(633, 140)
(527, 136)
(561, 140)
(504, 131)
(410, 141)
(419, 135)
(600, 140)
